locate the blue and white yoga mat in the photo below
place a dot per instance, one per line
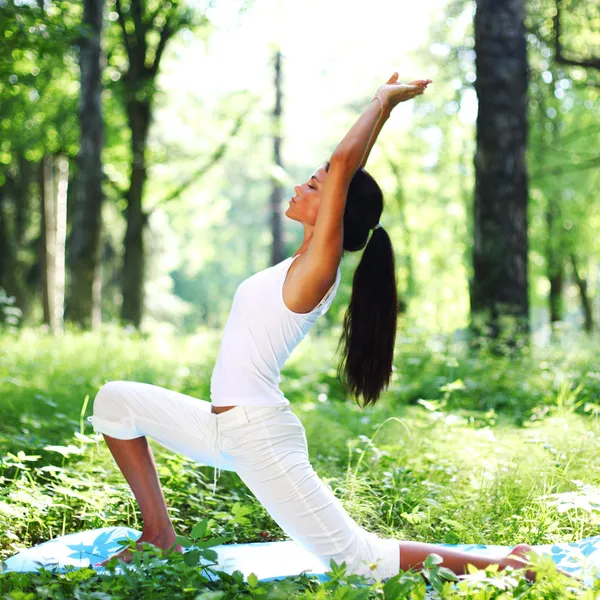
(267, 560)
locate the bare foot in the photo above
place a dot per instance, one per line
(517, 560)
(520, 551)
(126, 555)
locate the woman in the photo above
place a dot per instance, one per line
(248, 426)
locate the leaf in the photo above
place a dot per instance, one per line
(472, 569)
(66, 451)
(22, 456)
(190, 558)
(435, 581)
(199, 530)
(433, 559)
(183, 541)
(239, 510)
(217, 541)
(210, 555)
(447, 574)
(252, 580)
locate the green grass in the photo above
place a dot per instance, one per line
(462, 448)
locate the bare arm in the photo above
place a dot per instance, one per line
(385, 115)
(326, 247)
(354, 149)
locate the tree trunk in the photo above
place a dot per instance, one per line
(586, 305)
(60, 212)
(554, 262)
(54, 173)
(145, 35)
(556, 289)
(87, 227)
(11, 279)
(133, 267)
(14, 196)
(8, 280)
(22, 198)
(276, 195)
(48, 239)
(499, 301)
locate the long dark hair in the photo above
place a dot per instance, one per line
(369, 330)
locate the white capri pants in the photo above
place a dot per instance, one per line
(266, 446)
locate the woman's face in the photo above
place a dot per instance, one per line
(304, 206)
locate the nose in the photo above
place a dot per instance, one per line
(297, 189)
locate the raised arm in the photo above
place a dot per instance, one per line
(318, 269)
(327, 242)
(357, 144)
(384, 115)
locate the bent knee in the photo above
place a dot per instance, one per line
(109, 395)
(112, 415)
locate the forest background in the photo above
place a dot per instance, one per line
(223, 122)
(148, 151)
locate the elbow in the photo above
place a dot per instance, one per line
(339, 158)
(340, 162)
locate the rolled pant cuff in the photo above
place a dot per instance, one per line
(387, 562)
(120, 430)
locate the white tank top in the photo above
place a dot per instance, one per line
(260, 334)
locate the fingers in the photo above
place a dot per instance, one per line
(421, 85)
(418, 83)
(400, 92)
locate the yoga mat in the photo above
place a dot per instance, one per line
(267, 560)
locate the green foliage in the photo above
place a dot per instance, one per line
(39, 89)
(564, 215)
(562, 162)
(437, 459)
(201, 246)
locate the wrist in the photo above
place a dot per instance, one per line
(385, 103)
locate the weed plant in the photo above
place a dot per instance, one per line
(465, 446)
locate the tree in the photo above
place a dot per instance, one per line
(277, 252)
(85, 240)
(37, 125)
(146, 29)
(562, 160)
(54, 176)
(499, 291)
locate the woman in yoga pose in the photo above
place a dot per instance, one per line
(248, 426)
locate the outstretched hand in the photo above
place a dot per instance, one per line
(393, 91)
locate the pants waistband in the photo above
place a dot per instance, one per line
(244, 414)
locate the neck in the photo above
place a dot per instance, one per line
(308, 234)
(304, 246)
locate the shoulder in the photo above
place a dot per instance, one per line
(308, 280)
